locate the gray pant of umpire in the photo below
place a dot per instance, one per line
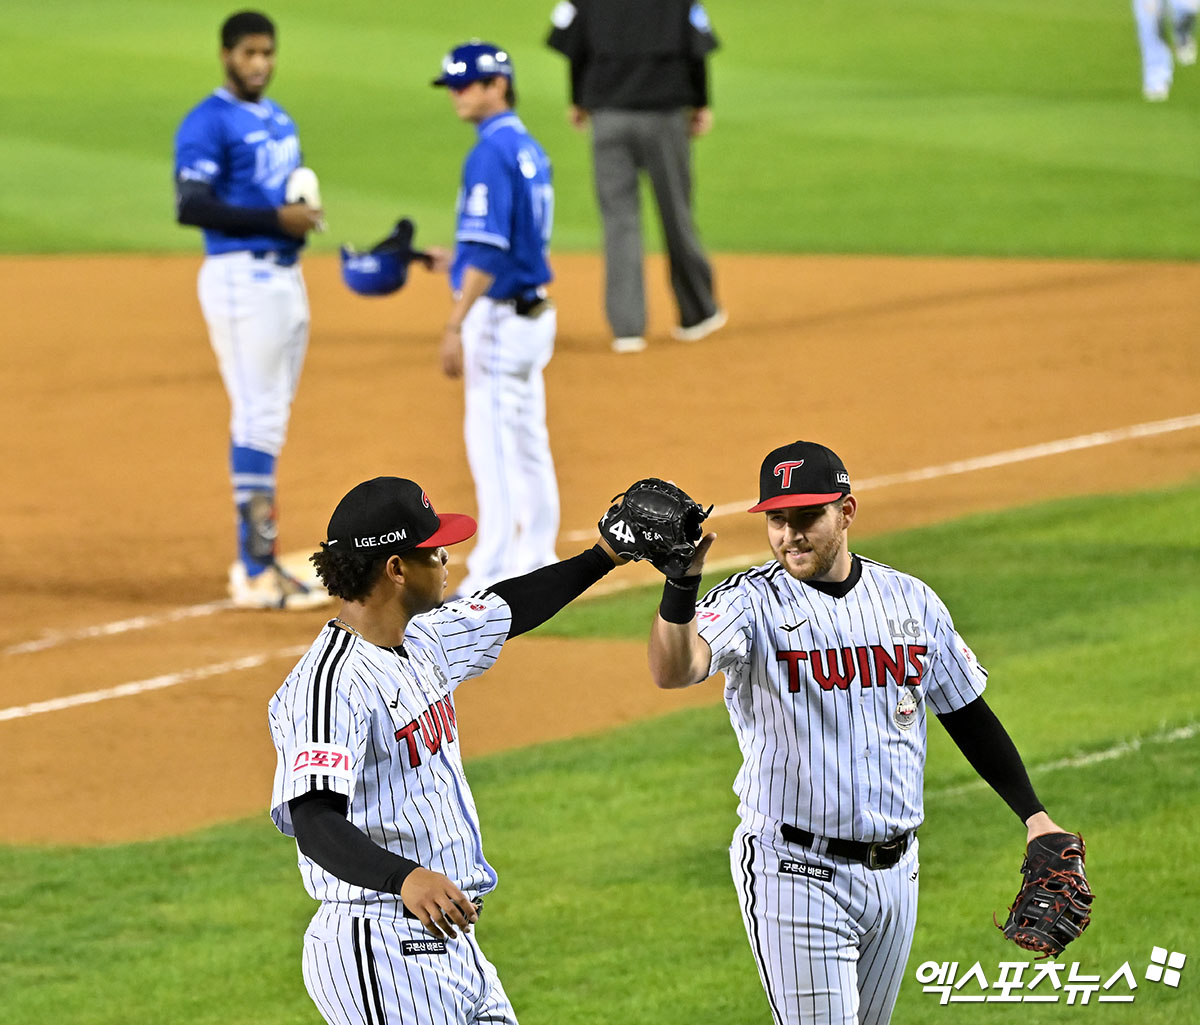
(624, 143)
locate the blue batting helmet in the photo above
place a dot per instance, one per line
(373, 273)
(385, 268)
(471, 62)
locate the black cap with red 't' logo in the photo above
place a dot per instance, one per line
(799, 474)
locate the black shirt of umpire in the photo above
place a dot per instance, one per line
(633, 54)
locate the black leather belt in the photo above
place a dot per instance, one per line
(279, 259)
(882, 854)
(529, 304)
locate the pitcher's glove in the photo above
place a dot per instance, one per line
(1054, 904)
(656, 521)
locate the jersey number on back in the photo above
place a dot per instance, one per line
(543, 209)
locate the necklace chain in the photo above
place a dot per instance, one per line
(397, 650)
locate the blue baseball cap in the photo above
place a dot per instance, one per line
(472, 61)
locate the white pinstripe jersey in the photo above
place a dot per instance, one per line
(828, 695)
(378, 725)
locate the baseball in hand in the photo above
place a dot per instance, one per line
(303, 187)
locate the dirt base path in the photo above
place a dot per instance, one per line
(115, 507)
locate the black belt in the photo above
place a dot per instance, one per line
(882, 854)
(528, 304)
(277, 258)
(477, 901)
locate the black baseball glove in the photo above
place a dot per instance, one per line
(655, 521)
(1054, 904)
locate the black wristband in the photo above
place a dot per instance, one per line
(678, 603)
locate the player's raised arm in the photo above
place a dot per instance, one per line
(656, 521)
(679, 656)
(537, 596)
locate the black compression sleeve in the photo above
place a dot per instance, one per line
(981, 737)
(324, 834)
(537, 596)
(698, 80)
(196, 205)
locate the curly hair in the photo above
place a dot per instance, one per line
(245, 23)
(347, 575)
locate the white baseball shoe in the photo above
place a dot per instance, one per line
(1156, 94)
(702, 330)
(274, 588)
(1185, 51)
(629, 343)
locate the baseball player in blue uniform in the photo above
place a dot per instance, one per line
(369, 776)
(500, 333)
(832, 665)
(234, 154)
(1167, 36)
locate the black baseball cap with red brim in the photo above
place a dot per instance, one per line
(800, 474)
(391, 516)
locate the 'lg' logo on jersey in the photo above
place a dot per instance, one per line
(909, 628)
(436, 725)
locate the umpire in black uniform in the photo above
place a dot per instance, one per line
(638, 71)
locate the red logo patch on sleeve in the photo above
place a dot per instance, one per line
(323, 760)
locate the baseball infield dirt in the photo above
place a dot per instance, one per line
(116, 505)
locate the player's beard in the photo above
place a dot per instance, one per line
(824, 555)
(244, 91)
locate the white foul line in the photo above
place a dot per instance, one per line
(126, 690)
(1108, 754)
(55, 638)
(1016, 455)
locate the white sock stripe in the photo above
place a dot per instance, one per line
(246, 484)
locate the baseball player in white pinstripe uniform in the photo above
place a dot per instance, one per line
(832, 664)
(369, 776)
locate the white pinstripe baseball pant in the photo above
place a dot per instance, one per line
(831, 937)
(364, 971)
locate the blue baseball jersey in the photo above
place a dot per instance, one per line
(245, 151)
(505, 206)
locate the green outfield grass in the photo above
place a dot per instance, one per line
(615, 903)
(930, 126)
